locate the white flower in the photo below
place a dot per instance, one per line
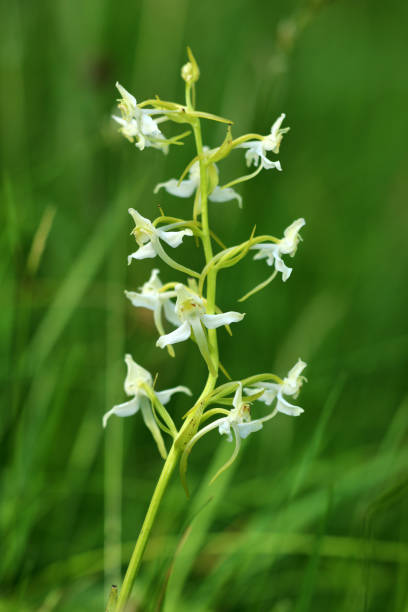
(136, 381)
(189, 186)
(139, 385)
(239, 419)
(258, 149)
(287, 246)
(290, 385)
(148, 237)
(152, 298)
(137, 123)
(190, 309)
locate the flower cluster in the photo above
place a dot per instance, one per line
(187, 309)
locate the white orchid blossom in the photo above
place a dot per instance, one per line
(149, 296)
(138, 383)
(186, 188)
(137, 124)
(272, 252)
(190, 309)
(239, 418)
(148, 238)
(258, 149)
(290, 385)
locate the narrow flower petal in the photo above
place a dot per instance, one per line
(183, 190)
(237, 401)
(165, 396)
(287, 408)
(244, 429)
(212, 321)
(123, 410)
(174, 239)
(178, 335)
(141, 301)
(282, 267)
(225, 195)
(146, 251)
(269, 394)
(127, 99)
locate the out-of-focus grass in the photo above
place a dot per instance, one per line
(312, 514)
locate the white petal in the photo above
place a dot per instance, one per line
(139, 219)
(149, 126)
(174, 239)
(225, 428)
(297, 369)
(212, 321)
(165, 396)
(269, 164)
(184, 190)
(225, 195)
(269, 394)
(170, 312)
(136, 375)
(265, 251)
(154, 280)
(282, 267)
(237, 401)
(146, 251)
(178, 335)
(245, 429)
(143, 301)
(123, 410)
(126, 96)
(286, 408)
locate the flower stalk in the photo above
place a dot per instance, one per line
(191, 306)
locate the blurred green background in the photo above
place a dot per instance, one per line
(312, 516)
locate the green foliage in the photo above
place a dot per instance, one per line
(313, 517)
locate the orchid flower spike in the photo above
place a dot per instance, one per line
(188, 187)
(290, 385)
(148, 237)
(138, 383)
(190, 309)
(258, 149)
(286, 246)
(149, 296)
(137, 124)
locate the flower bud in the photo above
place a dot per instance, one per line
(190, 72)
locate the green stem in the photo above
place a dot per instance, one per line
(139, 549)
